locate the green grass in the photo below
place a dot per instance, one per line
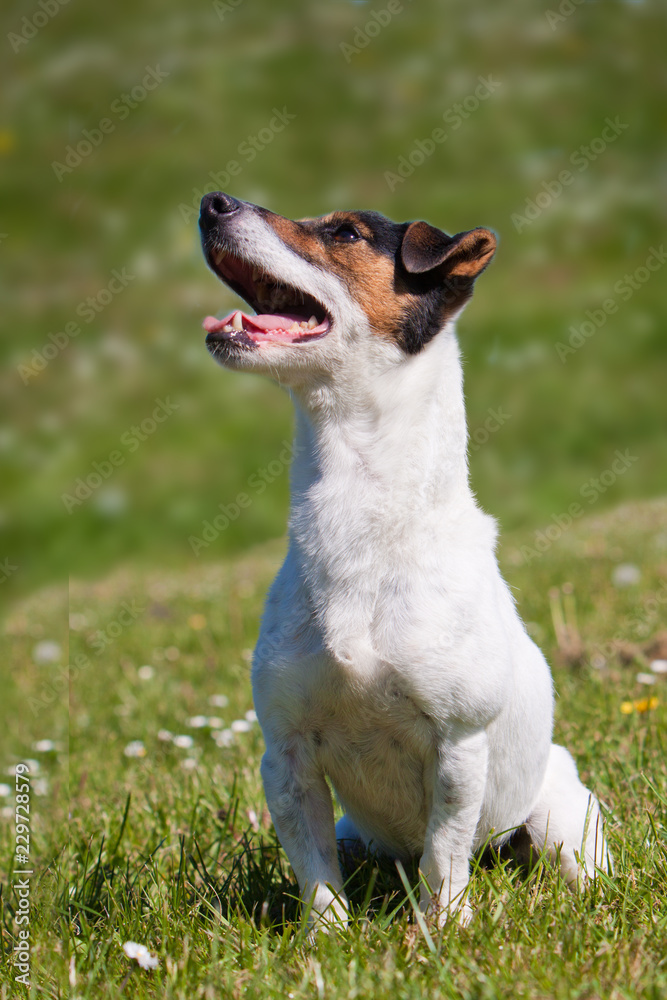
(120, 208)
(186, 872)
(182, 856)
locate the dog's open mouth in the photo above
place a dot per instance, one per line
(284, 314)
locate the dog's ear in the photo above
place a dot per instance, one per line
(466, 255)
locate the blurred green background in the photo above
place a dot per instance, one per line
(360, 98)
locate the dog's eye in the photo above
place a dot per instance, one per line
(346, 233)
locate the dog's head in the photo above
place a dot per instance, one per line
(323, 288)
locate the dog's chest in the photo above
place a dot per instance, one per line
(360, 717)
(376, 746)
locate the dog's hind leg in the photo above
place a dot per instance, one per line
(566, 821)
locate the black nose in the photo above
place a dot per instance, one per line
(215, 205)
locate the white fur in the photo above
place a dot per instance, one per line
(391, 657)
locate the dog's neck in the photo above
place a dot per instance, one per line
(389, 444)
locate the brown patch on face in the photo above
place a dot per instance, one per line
(299, 236)
(408, 279)
(372, 280)
(368, 272)
(404, 309)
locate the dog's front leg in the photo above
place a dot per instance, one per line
(458, 779)
(300, 804)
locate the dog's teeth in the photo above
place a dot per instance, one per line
(227, 328)
(237, 321)
(303, 324)
(312, 322)
(294, 328)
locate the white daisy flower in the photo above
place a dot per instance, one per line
(219, 700)
(46, 652)
(626, 575)
(184, 742)
(135, 749)
(223, 737)
(141, 955)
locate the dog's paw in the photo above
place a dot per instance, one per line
(328, 912)
(464, 914)
(461, 913)
(459, 910)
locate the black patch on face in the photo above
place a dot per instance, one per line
(438, 296)
(437, 299)
(387, 236)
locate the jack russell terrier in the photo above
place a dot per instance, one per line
(391, 658)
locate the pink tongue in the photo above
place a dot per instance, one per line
(268, 321)
(271, 321)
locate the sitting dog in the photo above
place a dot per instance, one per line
(391, 658)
